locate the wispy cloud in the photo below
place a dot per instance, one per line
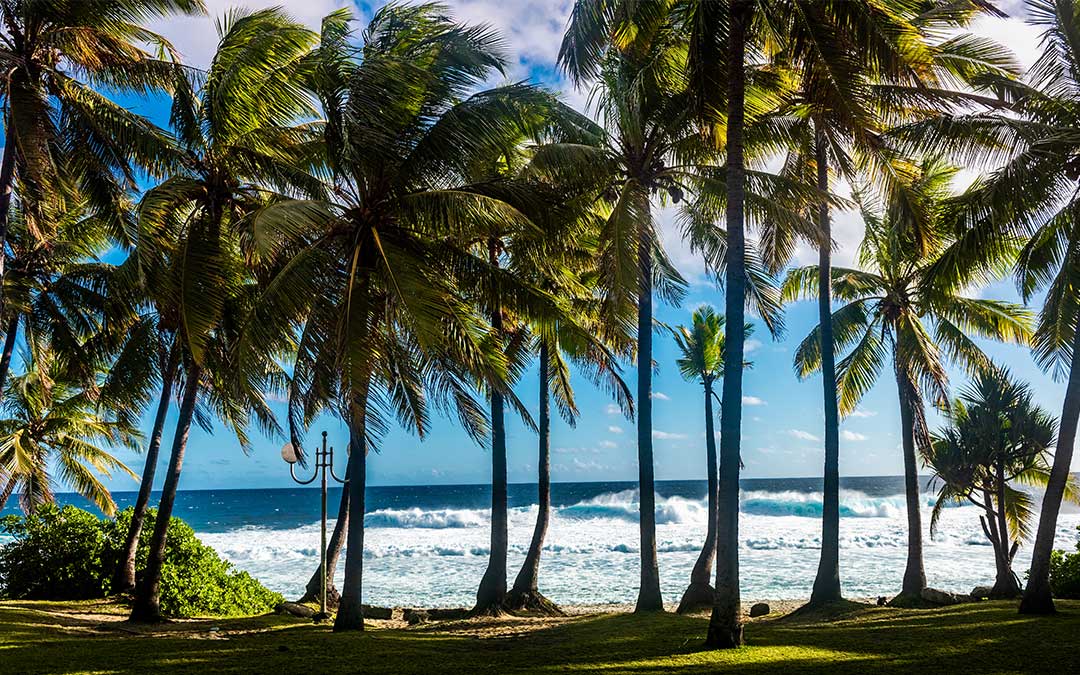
(661, 396)
(751, 345)
(615, 429)
(753, 400)
(802, 435)
(859, 412)
(667, 435)
(608, 444)
(612, 409)
(852, 436)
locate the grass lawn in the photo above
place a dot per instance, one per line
(989, 637)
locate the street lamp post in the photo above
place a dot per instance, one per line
(324, 463)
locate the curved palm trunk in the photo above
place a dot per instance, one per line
(700, 592)
(7, 179)
(10, 338)
(124, 577)
(8, 489)
(350, 615)
(1037, 598)
(827, 581)
(333, 552)
(491, 594)
(649, 598)
(725, 624)
(525, 594)
(914, 574)
(147, 605)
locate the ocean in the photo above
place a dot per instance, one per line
(428, 545)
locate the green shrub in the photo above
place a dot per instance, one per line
(67, 553)
(1065, 573)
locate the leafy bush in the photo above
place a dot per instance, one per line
(1065, 573)
(67, 553)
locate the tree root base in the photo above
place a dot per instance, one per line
(724, 637)
(696, 598)
(532, 601)
(489, 609)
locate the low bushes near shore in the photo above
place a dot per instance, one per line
(70, 554)
(1065, 572)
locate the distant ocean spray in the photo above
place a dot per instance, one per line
(429, 544)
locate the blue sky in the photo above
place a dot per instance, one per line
(782, 416)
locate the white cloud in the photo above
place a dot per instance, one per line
(615, 429)
(802, 435)
(751, 345)
(588, 465)
(608, 444)
(753, 400)
(667, 435)
(859, 412)
(852, 436)
(661, 396)
(612, 409)
(575, 450)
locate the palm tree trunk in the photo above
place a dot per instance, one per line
(333, 552)
(350, 615)
(1037, 598)
(10, 338)
(1005, 582)
(491, 594)
(124, 577)
(827, 582)
(8, 489)
(725, 624)
(914, 574)
(525, 593)
(147, 605)
(7, 180)
(700, 592)
(649, 598)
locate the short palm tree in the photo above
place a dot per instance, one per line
(53, 423)
(1029, 199)
(235, 140)
(896, 307)
(702, 361)
(61, 133)
(997, 436)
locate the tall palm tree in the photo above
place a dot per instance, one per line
(61, 133)
(996, 436)
(55, 423)
(641, 94)
(1029, 199)
(862, 66)
(398, 300)
(898, 307)
(702, 361)
(233, 128)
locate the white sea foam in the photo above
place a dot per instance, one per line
(437, 556)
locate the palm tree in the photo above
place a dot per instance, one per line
(702, 360)
(899, 306)
(642, 98)
(55, 423)
(399, 302)
(232, 124)
(1029, 200)
(61, 133)
(996, 436)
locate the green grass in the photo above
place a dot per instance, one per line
(977, 638)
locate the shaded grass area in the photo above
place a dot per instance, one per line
(848, 638)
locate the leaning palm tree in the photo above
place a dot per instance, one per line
(233, 128)
(996, 436)
(61, 133)
(702, 360)
(55, 424)
(1029, 200)
(398, 300)
(897, 307)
